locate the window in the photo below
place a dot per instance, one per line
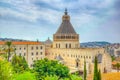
(24, 54)
(20, 48)
(89, 57)
(59, 45)
(56, 45)
(37, 47)
(41, 53)
(15, 48)
(32, 48)
(24, 48)
(41, 47)
(66, 45)
(77, 64)
(36, 53)
(32, 54)
(69, 45)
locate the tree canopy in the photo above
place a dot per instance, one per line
(5, 70)
(19, 64)
(47, 67)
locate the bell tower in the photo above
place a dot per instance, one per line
(66, 37)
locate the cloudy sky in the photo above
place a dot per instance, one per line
(94, 20)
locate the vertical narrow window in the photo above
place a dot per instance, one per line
(69, 45)
(40, 53)
(41, 47)
(37, 47)
(59, 45)
(56, 45)
(32, 48)
(36, 53)
(32, 54)
(66, 45)
(77, 64)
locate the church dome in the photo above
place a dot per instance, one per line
(66, 27)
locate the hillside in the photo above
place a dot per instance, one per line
(94, 44)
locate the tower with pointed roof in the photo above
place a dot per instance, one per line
(66, 36)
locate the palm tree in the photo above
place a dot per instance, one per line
(8, 43)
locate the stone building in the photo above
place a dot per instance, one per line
(29, 49)
(66, 49)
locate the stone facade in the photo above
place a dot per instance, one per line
(66, 49)
(30, 50)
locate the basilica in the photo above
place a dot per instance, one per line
(66, 49)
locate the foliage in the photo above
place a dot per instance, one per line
(51, 77)
(95, 69)
(117, 66)
(74, 77)
(5, 70)
(24, 76)
(19, 64)
(85, 71)
(113, 58)
(47, 67)
(71, 77)
(99, 75)
(8, 43)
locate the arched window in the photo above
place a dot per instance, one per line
(77, 64)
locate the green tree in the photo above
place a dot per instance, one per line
(51, 77)
(47, 67)
(85, 71)
(8, 43)
(113, 58)
(19, 64)
(95, 69)
(74, 77)
(5, 70)
(118, 66)
(24, 76)
(99, 75)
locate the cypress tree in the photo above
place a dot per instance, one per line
(85, 71)
(99, 75)
(95, 69)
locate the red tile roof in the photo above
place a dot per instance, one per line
(22, 43)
